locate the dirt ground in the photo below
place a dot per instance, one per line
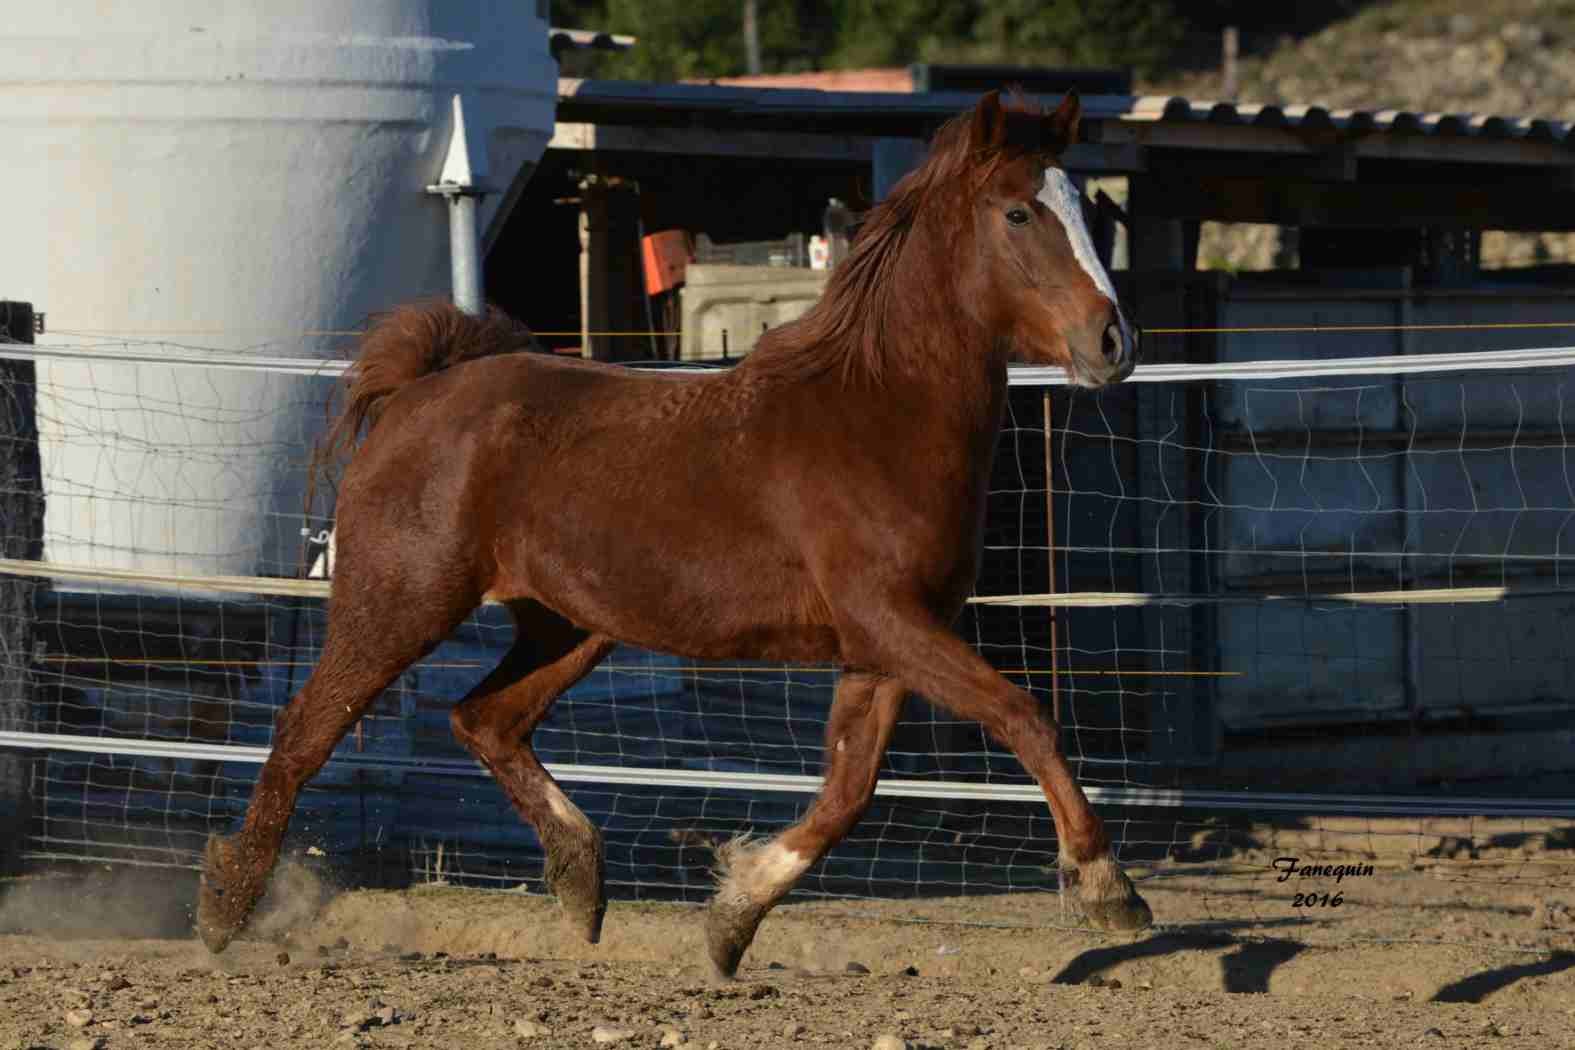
(1480, 953)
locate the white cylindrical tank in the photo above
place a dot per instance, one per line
(229, 174)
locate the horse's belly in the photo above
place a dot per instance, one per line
(712, 608)
(701, 633)
(767, 644)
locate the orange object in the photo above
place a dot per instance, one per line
(666, 259)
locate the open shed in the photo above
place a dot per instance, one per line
(1364, 188)
(1388, 207)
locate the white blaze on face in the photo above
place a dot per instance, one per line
(1063, 198)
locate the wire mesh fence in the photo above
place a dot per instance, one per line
(1209, 575)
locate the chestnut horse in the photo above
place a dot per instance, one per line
(823, 501)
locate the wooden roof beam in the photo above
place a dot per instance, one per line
(700, 140)
(1384, 145)
(1522, 203)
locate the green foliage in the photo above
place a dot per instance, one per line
(690, 39)
(1078, 32)
(704, 38)
(874, 33)
(1018, 32)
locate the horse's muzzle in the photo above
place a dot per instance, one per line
(1119, 344)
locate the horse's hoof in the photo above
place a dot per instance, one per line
(730, 926)
(578, 885)
(1106, 895)
(217, 897)
(726, 953)
(1128, 913)
(587, 923)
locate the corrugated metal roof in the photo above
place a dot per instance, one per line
(1142, 119)
(587, 40)
(1350, 121)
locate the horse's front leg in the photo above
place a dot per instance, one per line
(756, 876)
(930, 659)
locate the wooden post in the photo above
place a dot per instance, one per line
(1055, 613)
(1230, 49)
(21, 536)
(891, 160)
(751, 38)
(1055, 617)
(612, 284)
(1156, 240)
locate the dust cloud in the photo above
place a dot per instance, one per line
(132, 903)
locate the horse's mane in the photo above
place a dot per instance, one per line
(853, 324)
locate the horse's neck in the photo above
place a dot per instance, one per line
(939, 373)
(966, 399)
(954, 371)
(947, 393)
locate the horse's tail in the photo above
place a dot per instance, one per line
(400, 346)
(408, 342)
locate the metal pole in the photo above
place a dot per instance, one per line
(465, 251)
(463, 182)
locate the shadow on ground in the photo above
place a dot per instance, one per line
(1246, 969)
(1479, 986)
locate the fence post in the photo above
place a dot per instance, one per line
(21, 536)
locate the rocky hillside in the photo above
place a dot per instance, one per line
(1504, 57)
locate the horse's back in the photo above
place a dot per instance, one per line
(625, 500)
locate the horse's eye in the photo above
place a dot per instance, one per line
(1019, 216)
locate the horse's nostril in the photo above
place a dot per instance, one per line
(1111, 345)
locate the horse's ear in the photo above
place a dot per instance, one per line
(989, 122)
(1060, 127)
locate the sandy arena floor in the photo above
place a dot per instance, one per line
(1414, 956)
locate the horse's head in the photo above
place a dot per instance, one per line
(1033, 271)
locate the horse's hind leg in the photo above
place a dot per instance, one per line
(757, 876)
(495, 721)
(368, 645)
